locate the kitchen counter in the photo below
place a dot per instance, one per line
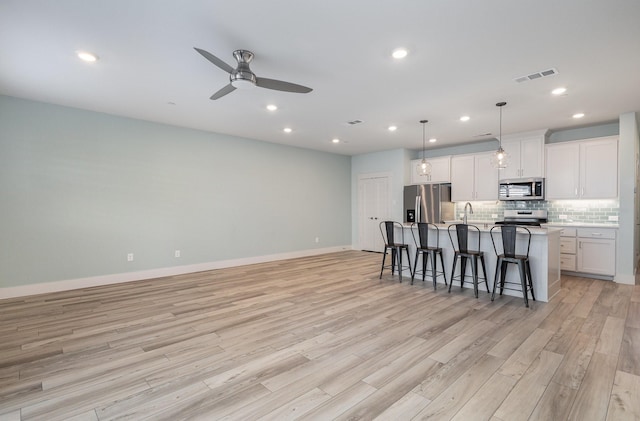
(486, 227)
(579, 225)
(544, 257)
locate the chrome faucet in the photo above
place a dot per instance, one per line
(468, 204)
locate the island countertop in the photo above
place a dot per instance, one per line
(544, 255)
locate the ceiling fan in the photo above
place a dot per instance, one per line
(242, 77)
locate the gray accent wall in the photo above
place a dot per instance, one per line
(80, 190)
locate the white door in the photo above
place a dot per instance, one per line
(373, 205)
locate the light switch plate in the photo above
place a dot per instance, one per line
(562, 216)
(613, 218)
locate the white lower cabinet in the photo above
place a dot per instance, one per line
(568, 249)
(596, 251)
(588, 251)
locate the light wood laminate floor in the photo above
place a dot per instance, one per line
(319, 338)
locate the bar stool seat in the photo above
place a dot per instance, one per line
(509, 255)
(427, 252)
(464, 253)
(387, 229)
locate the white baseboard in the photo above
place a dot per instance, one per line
(66, 285)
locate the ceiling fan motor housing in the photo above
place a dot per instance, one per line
(242, 77)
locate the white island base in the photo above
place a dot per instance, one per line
(544, 258)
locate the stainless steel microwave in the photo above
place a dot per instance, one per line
(522, 189)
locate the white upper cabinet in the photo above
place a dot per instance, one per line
(440, 171)
(586, 169)
(527, 155)
(473, 178)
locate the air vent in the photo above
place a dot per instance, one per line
(536, 75)
(353, 122)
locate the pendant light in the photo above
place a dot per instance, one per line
(500, 159)
(424, 167)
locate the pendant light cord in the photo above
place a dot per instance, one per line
(423, 137)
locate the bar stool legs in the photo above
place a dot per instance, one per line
(524, 269)
(474, 271)
(429, 256)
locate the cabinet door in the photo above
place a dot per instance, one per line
(486, 178)
(597, 256)
(440, 170)
(563, 171)
(532, 157)
(599, 169)
(462, 188)
(513, 170)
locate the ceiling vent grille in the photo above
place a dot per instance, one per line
(536, 75)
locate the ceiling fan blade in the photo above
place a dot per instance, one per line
(222, 92)
(215, 60)
(279, 85)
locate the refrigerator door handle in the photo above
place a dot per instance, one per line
(418, 210)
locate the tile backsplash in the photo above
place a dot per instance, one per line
(585, 211)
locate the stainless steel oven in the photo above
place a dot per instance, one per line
(522, 189)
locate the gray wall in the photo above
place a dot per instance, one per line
(626, 244)
(79, 190)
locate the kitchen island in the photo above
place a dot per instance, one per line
(544, 257)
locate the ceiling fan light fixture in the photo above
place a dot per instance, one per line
(500, 158)
(242, 84)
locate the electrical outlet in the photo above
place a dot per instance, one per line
(176, 253)
(317, 239)
(494, 215)
(462, 215)
(613, 218)
(562, 216)
(130, 257)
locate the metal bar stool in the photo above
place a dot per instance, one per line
(463, 252)
(427, 252)
(509, 255)
(388, 235)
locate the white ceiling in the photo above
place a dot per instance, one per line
(463, 58)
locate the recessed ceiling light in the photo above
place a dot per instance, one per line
(88, 57)
(272, 107)
(465, 118)
(393, 128)
(578, 115)
(399, 53)
(335, 140)
(433, 140)
(287, 130)
(559, 91)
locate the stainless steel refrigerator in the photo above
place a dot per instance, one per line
(428, 203)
